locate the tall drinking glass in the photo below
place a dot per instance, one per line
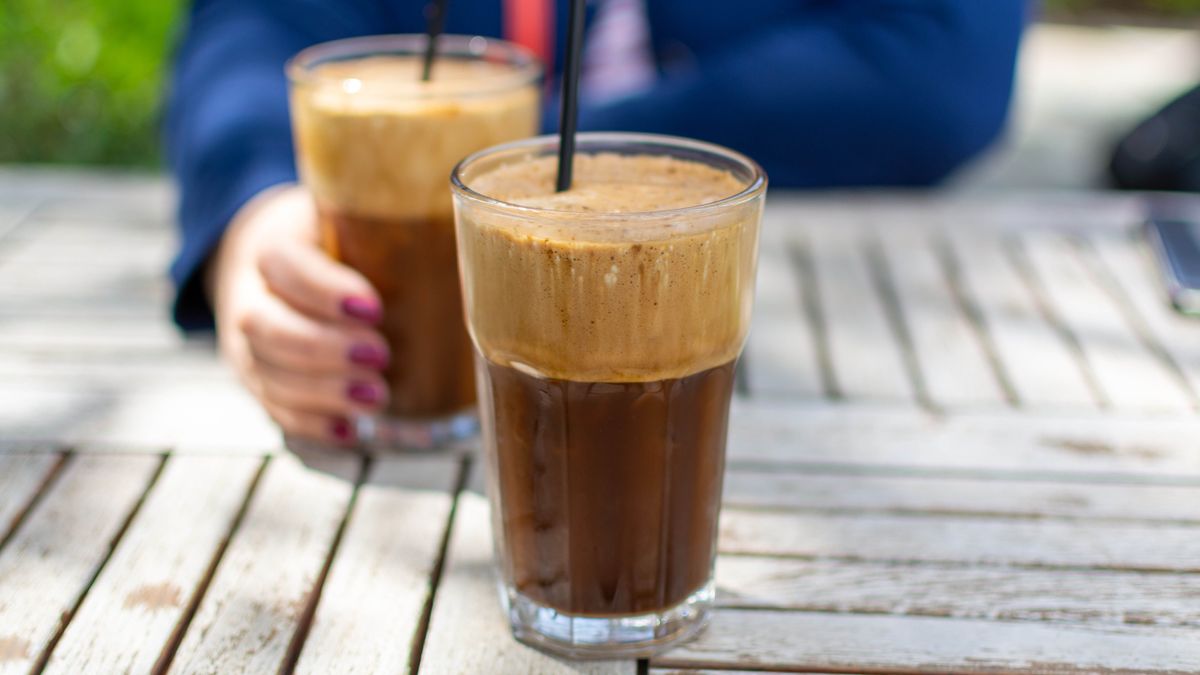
(374, 145)
(607, 321)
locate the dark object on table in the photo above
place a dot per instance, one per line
(1163, 152)
(1177, 251)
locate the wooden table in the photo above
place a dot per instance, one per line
(965, 441)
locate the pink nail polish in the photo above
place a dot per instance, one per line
(364, 392)
(368, 355)
(363, 309)
(340, 429)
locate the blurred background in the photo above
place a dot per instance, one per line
(81, 83)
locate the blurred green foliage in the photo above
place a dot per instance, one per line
(81, 81)
(1170, 8)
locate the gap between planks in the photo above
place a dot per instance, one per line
(969, 308)
(957, 591)
(869, 643)
(1106, 280)
(44, 656)
(176, 637)
(800, 256)
(17, 511)
(304, 623)
(435, 580)
(1018, 256)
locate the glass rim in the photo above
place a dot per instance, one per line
(300, 68)
(755, 188)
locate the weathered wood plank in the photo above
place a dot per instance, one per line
(114, 369)
(50, 290)
(371, 608)
(22, 476)
(93, 191)
(953, 364)
(1129, 375)
(692, 671)
(838, 491)
(13, 210)
(1129, 264)
(50, 561)
(780, 354)
(1043, 371)
(959, 591)
(143, 592)
(1165, 547)
(866, 357)
(1090, 447)
(56, 250)
(207, 414)
(263, 586)
(813, 641)
(468, 632)
(23, 333)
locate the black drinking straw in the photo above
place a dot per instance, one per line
(433, 28)
(568, 119)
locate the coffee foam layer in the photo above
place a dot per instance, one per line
(570, 295)
(374, 141)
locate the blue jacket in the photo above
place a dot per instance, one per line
(822, 93)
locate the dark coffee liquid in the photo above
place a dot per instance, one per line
(609, 491)
(412, 263)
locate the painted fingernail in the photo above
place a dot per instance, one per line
(363, 309)
(340, 429)
(364, 392)
(368, 355)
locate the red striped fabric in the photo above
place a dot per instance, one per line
(530, 23)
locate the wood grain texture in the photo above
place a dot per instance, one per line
(781, 356)
(840, 491)
(1162, 547)
(811, 641)
(953, 363)
(50, 561)
(25, 333)
(62, 186)
(112, 369)
(866, 357)
(1090, 447)
(21, 478)
(1128, 263)
(141, 595)
(370, 610)
(959, 591)
(1042, 369)
(85, 293)
(263, 585)
(468, 632)
(202, 415)
(865, 534)
(1129, 374)
(14, 209)
(704, 671)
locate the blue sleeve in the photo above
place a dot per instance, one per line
(227, 129)
(851, 93)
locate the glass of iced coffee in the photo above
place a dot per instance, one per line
(374, 145)
(607, 321)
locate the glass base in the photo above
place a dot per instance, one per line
(591, 637)
(396, 433)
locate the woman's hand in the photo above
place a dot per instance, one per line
(297, 326)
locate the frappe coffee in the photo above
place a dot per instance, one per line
(608, 320)
(375, 146)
